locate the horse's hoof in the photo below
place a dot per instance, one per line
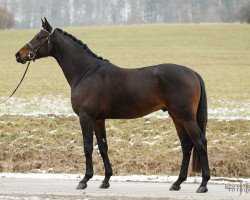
(202, 189)
(81, 186)
(175, 187)
(104, 185)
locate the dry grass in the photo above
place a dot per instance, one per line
(140, 146)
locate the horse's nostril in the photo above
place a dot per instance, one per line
(18, 56)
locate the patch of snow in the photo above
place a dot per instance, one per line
(133, 178)
(52, 132)
(36, 105)
(59, 105)
(176, 148)
(149, 143)
(233, 136)
(28, 198)
(50, 169)
(18, 198)
(157, 137)
(131, 143)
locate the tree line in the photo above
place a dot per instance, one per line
(26, 13)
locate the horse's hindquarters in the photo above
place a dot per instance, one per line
(180, 89)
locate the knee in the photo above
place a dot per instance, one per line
(203, 139)
(88, 149)
(187, 149)
(199, 145)
(103, 150)
(186, 154)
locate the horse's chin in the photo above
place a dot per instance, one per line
(24, 60)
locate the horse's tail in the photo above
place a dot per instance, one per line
(202, 122)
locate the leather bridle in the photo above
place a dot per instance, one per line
(31, 56)
(33, 52)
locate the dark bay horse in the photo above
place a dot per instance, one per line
(100, 90)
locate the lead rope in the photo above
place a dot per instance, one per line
(31, 58)
(18, 83)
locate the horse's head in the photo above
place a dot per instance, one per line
(39, 47)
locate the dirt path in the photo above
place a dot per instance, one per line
(14, 188)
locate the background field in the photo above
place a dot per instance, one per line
(219, 52)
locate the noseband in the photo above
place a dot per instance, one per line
(33, 52)
(32, 56)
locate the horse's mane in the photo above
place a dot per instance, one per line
(79, 42)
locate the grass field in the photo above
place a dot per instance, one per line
(219, 52)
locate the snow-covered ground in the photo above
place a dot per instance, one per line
(132, 178)
(33, 106)
(59, 105)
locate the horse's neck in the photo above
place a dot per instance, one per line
(73, 60)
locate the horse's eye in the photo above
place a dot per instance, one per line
(39, 37)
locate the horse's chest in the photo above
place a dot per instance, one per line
(77, 101)
(84, 102)
(75, 105)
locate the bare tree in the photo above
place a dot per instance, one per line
(98, 12)
(133, 15)
(6, 19)
(244, 13)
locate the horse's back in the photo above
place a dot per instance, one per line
(130, 93)
(147, 89)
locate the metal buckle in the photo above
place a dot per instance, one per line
(31, 55)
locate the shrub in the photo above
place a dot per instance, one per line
(244, 13)
(6, 19)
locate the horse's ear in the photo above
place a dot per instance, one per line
(42, 23)
(46, 25)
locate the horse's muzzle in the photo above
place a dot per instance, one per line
(19, 58)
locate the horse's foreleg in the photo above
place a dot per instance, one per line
(87, 130)
(100, 132)
(186, 145)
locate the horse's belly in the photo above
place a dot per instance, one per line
(133, 112)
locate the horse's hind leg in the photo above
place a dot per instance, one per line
(100, 132)
(200, 144)
(186, 145)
